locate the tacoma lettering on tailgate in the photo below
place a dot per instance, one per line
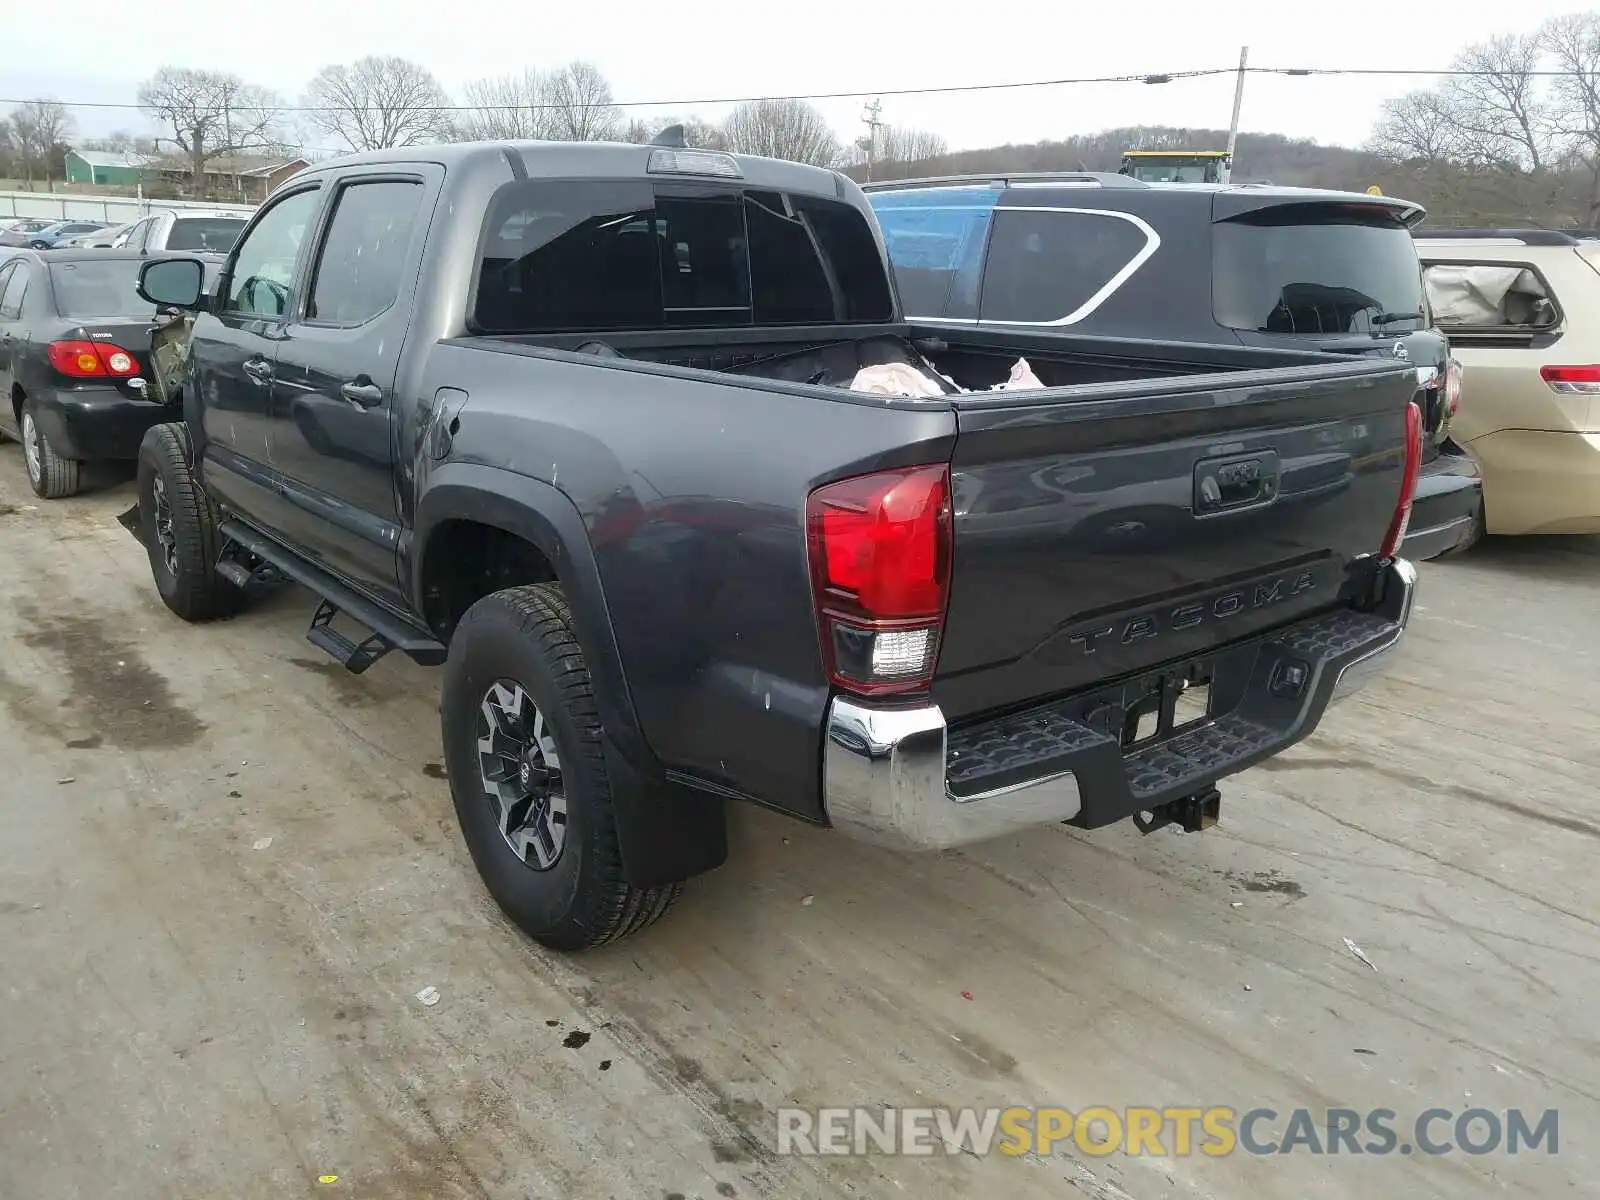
(1218, 606)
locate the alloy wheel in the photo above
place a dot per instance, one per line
(520, 771)
(165, 537)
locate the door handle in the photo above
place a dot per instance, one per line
(362, 394)
(259, 369)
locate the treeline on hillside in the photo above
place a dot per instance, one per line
(1453, 193)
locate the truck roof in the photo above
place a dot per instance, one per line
(568, 160)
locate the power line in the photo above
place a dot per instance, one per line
(1157, 77)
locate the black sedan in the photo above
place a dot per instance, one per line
(74, 357)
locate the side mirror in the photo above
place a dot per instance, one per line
(173, 283)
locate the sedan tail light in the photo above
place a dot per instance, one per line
(92, 360)
(880, 548)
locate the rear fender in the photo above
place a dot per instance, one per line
(667, 831)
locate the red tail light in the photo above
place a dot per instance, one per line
(1452, 386)
(1583, 381)
(92, 360)
(1408, 484)
(880, 549)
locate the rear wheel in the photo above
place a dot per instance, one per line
(523, 751)
(51, 476)
(178, 525)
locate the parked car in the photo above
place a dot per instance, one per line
(49, 239)
(105, 237)
(601, 457)
(74, 350)
(22, 232)
(1522, 308)
(1087, 253)
(188, 230)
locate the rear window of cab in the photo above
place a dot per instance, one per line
(580, 255)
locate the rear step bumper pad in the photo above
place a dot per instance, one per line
(899, 777)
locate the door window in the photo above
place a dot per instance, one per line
(263, 268)
(16, 283)
(935, 238)
(360, 272)
(1048, 267)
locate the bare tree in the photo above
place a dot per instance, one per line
(905, 144)
(1418, 125)
(39, 126)
(208, 114)
(1498, 109)
(1574, 43)
(378, 102)
(581, 105)
(790, 129)
(697, 131)
(508, 107)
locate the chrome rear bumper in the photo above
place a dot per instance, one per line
(886, 770)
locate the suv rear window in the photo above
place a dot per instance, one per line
(1317, 268)
(205, 233)
(597, 255)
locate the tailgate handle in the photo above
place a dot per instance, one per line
(1236, 481)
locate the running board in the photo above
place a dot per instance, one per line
(388, 631)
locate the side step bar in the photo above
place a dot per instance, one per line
(388, 631)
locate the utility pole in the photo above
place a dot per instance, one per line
(870, 118)
(233, 160)
(1238, 99)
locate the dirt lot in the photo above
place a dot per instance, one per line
(192, 1010)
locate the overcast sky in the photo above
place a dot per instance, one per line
(691, 49)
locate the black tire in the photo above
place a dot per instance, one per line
(51, 476)
(183, 559)
(524, 636)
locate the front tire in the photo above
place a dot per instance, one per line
(51, 476)
(178, 525)
(523, 752)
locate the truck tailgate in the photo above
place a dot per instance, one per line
(1105, 529)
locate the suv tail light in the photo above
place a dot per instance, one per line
(880, 549)
(1452, 386)
(92, 360)
(1408, 484)
(1580, 381)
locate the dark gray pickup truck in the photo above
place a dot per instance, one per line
(577, 423)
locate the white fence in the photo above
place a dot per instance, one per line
(119, 210)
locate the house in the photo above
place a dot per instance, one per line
(242, 177)
(108, 167)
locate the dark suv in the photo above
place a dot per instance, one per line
(1254, 265)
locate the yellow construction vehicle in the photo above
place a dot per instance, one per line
(1177, 166)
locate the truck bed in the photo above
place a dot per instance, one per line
(1080, 558)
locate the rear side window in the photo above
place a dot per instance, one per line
(935, 238)
(1054, 267)
(593, 255)
(204, 233)
(99, 287)
(1467, 296)
(13, 282)
(1317, 269)
(365, 251)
